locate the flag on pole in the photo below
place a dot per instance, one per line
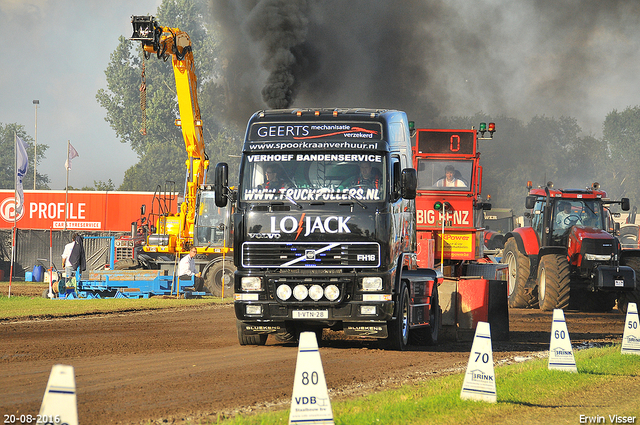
(22, 165)
(71, 154)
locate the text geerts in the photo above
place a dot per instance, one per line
(290, 130)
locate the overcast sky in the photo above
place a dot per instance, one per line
(56, 51)
(520, 58)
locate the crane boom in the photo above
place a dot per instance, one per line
(167, 42)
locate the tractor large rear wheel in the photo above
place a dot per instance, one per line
(518, 274)
(633, 296)
(553, 282)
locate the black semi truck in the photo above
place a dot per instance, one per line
(324, 228)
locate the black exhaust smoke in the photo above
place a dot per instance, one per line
(280, 26)
(326, 53)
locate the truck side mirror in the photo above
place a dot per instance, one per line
(624, 204)
(221, 184)
(530, 202)
(409, 183)
(143, 209)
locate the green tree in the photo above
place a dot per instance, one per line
(101, 186)
(544, 149)
(7, 160)
(622, 134)
(161, 151)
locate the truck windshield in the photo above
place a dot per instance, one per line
(330, 176)
(444, 174)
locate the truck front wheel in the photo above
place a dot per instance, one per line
(245, 339)
(553, 282)
(518, 274)
(398, 338)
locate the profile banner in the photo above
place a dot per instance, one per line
(78, 210)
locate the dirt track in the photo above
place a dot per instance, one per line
(176, 364)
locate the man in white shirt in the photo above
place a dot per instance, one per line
(450, 179)
(565, 218)
(187, 269)
(66, 254)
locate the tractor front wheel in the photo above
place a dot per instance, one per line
(553, 282)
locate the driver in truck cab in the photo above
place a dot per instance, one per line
(272, 179)
(369, 176)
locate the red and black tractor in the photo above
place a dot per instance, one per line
(567, 258)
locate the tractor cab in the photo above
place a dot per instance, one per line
(555, 212)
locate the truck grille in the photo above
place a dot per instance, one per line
(310, 254)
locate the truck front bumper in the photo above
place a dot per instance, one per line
(354, 318)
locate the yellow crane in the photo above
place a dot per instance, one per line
(199, 222)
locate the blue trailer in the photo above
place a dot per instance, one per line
(140, 283)
(130, 284)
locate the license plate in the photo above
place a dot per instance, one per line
(619, 282)
(310, 314)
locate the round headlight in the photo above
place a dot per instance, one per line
(316, 292)
(283, 292)
(300, 292)
(331, 292)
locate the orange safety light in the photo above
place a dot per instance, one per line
(492, 128)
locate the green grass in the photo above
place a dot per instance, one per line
(521, 388)
(22, 307)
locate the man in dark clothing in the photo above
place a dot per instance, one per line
(369, 177)
(272, 180)
(77, 257)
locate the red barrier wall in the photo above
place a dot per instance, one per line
(86, 211)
